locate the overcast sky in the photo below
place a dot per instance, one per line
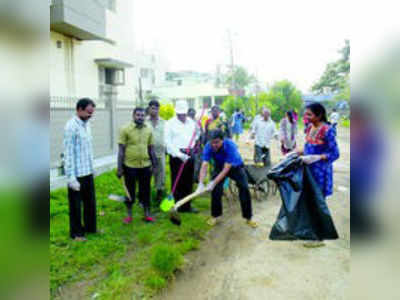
(282, 39)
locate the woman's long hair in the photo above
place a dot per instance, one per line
(318, 110)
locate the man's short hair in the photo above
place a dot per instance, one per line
(83, 103)
(138, 109)
(216, 107)
(154, 103)
(191, 110)
(217, 134)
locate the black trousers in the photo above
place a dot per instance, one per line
(262, 154)
(143, 177)
(88, 197)
(238, 175)
(185, 184)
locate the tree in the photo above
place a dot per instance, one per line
(336, 74)
(282, 97)
(239, 78)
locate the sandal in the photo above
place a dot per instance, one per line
(251, 223)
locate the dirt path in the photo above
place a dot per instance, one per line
(236, 262)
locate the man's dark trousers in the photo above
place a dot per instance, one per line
(238, 175)
(143, 177)
(185, 184)
(75, 198)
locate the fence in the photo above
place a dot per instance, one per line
(105, 123)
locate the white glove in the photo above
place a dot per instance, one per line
(210, 186)
(310, 159)
(200, 188)
(74, 185)
(183, 157)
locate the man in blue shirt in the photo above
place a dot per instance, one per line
(228, 162)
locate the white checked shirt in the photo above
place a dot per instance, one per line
(264, 131)
(178, 135)
(78, 149)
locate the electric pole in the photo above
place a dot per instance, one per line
(230, 42)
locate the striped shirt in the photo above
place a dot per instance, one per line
(78, 149)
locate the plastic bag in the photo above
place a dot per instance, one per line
(304, 214)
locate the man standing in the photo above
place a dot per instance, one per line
(158, 126)
(180, 138)
(216, 122)
(78, 153)
(135, 156)
(263, 130)
(228, 163)
(334, 118)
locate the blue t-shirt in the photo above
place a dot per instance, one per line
(228, 153)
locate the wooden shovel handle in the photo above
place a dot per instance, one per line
(187, 199)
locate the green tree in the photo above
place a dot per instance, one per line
(336, 74)
(240, 78)
(282, 96)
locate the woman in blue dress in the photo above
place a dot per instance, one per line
(321, 143)
(321, 140)
(237, 124)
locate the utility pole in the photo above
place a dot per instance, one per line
(233, 86)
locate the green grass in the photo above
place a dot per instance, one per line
(125, 261)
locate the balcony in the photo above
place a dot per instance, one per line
(84, 20)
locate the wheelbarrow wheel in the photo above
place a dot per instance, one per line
(262, 190)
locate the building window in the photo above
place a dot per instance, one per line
(112, 5)
(113, 76)
(59, 44)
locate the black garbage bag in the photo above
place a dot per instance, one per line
(304, 214)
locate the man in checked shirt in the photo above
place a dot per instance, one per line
(78, 152)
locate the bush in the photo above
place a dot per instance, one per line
(156, 282)
(165, 259)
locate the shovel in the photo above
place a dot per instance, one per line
(169, 202)
(120, 198)
(173, 213)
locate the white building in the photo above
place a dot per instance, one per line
(92, 49)
(197, 88)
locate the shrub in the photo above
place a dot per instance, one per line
(165, 259)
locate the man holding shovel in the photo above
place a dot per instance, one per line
(181, 135)
(135, 157)
(228, 162)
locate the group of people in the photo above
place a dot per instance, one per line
(145, 143)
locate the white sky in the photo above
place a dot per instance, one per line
(282, 39)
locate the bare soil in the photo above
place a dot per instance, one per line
(236, 262)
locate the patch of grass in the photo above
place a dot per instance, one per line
(156, 282)
(144, 238)
(137, 259)
(166, 259)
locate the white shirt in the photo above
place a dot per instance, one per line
(335, 117)
(264, 131)
(178, 135)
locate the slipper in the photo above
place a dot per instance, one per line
(127, 220)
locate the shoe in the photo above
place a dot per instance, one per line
(212, 221)
(80, 239)
(127, 220)
(251, 223)
(149, 219)
(314, 244)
